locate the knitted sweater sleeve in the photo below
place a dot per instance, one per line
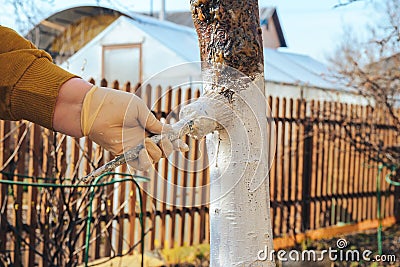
(29, 81)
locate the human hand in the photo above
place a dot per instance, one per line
(118, 120)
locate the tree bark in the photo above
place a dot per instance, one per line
(230, 37)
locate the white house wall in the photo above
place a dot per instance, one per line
(309, 93)
(155, 56)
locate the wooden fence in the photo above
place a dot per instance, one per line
(320, 177)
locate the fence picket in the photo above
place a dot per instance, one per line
(34, 165)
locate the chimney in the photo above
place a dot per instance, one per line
(162, 11)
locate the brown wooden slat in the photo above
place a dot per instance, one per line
(121, 199)
(165, 175)
(147, 98)
(324, 169)
(75, 158)
(291, 188)
(343, 164)
(193, 178)
(346, 164)
(389, 206)
(319, 164)
(132, 187)
(145, 199)
(205, 183)
(33, 170)
(306, 167)
(137, 89)
(132, 215)
(103, 83)
(191, 190)
(396, 197)
(101, 157)
(313, 165)
(371, 165)
(274, 173)
(47, 170)
(156, 177)
(363, 169)
(336, 164)
(364, 166)
(88, 152)
(174, 175)
(18, 208)
(182, 222)
(384, 135)
(331, 160)
(61, 194)
(98, 232)
(301, 171)
(282, 174)
(358, 168)
(298, 162)
(5, 153)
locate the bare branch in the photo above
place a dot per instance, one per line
(345, 3)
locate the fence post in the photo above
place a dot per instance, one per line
(397, 202)
(18, 207)
(5, 152)
(307, 169)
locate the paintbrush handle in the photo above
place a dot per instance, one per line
(180, 129)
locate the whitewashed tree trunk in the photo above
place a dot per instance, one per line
(239, 209)
(230, 35)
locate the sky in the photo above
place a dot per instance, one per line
(311, 27)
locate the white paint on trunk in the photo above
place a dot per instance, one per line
(239, 193)
(240, 219)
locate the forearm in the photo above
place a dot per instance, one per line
(67, 112)
(29, 81)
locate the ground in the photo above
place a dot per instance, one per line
(361, 241)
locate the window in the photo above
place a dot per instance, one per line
(122, 62)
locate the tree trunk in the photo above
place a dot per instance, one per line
(230, 36)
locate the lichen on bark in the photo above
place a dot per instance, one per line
(229, 33)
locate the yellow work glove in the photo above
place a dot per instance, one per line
(103, 121)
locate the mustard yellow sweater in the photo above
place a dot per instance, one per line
(29, 81)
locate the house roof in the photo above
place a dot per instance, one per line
(266, 14)
(180, 39)
(48, 28)
(290, 68)
(180, 17)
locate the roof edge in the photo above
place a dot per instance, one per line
(279, 28)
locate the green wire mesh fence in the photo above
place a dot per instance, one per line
(96, 188)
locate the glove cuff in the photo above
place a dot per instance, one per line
(91, 106)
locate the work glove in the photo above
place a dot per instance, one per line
(118, 120)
